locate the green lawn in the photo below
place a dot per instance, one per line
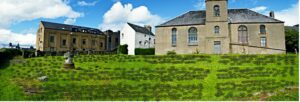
(139, 78)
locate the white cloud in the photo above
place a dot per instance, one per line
(200, 5)
(70, 21)
(7, 36)
(14, 11)
(83, 3)
(119, 14)
(290, 16)
(259, 9)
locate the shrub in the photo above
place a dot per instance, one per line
(7, 54)
(123, 49)
(171, 53)
(142, 51)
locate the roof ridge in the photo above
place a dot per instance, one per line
(70, 25)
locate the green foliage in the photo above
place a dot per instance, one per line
(291, 40)
(142, 51)
(171, 53)
(123, 49)
(7, 54)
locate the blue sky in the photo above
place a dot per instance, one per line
(112, 14)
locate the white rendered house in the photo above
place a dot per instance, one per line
(137, 37)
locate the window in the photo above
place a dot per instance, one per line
(122, 35)
(217, 10)
(217, 47)
(140, 42)
(262, 29)
(192, 36)
(93, 42)
(117, 42)
(51, 39)
(101, 44)
(109, 39)
(217, 29)
(83, 41)
(145, 35)
(263, 42)
(243, 34)
(174, 31)
(74, 41)
(64, 42)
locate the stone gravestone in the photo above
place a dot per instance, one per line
(69, 62)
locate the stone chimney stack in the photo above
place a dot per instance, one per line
(272, 14)
(148, 27)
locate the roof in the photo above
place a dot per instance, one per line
(140, 29)
(71, 28)
(234, 16)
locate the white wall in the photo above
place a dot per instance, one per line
(144, 38)
(131, 38)
(127, 36)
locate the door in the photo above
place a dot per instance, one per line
(217, 47)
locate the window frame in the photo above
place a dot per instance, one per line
(263, 43)
(174, 37)
(216, 11)
(262, 29)
(52, 39)
(193, 36)
(217, 29)
(243, 36)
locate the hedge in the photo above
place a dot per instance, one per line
(122, 49)
(7, 54)
(142, 51)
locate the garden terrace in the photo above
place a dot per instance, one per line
(156, 78)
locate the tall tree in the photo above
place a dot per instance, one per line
(291, 40)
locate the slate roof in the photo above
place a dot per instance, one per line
(234, 16)
(71, 28)
(140, 29)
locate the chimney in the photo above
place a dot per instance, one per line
(148, 27)
(272, 15)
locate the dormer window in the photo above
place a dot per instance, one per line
(217, 10)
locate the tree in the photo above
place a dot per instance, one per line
(10, 45)
(18, 46)
(31, 47)
(291, 40)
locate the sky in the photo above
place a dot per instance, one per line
(19, 19)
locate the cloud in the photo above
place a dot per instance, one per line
(14, 11)
(259, 9)
(83, 3)
(7, 36)
(290, 15)
(70, 21)
(119, 15)
(200, 5)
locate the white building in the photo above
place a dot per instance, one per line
(137, 37)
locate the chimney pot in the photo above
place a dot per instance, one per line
(272, 15)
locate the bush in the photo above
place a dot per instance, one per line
(123, 49)
(28, 53)
(7, 54)
(171, 53)
(142, 51)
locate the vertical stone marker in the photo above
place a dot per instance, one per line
(69, 60)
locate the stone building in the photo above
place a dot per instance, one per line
(112, 40)
(137, 37)
(219, 30)
(55, 37)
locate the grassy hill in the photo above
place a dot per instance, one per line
(180, 77)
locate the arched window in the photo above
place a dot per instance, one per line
(217, 29)
(262, 29)
(243, 34)
(192, 36)
(217, 10)
(174, 35)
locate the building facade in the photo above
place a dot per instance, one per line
(219, 30)
(55, 37)
(137, 37)
(112, 40)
